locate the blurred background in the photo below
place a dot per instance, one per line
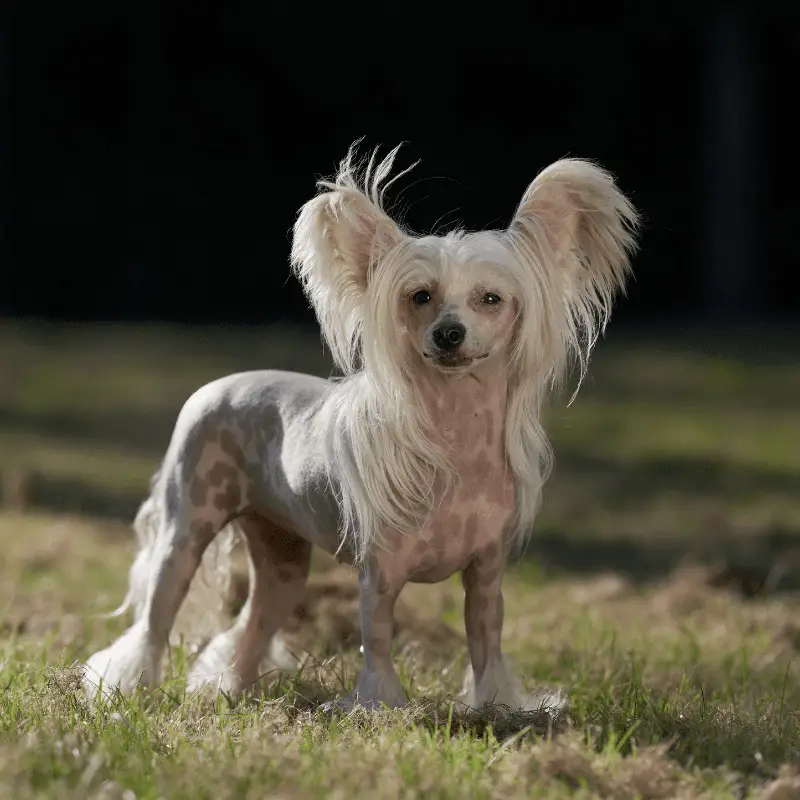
(154, 157)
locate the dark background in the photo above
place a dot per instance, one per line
(155, 155)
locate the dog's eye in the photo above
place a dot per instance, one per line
(491, 299)
(421, 297)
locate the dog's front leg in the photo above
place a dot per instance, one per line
(489, 680)
(377, 684)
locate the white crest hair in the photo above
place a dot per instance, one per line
(567, 250)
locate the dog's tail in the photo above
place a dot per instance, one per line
(206, 608)
(145, 528)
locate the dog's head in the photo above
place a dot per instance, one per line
(524, 298)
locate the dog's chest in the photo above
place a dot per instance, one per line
(472, 515)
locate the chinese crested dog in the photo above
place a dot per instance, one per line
(427, 458)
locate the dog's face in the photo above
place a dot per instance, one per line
(456, 306)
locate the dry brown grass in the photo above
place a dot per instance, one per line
(683, 689)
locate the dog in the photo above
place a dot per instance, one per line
(425, 459)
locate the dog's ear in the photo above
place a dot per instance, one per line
(339, 236)
(345, 232)
(577, 226)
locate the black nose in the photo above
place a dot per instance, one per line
(449, 335)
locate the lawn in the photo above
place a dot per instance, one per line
(660, 590)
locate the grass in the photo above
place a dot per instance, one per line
(660, 591)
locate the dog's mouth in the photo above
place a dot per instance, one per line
(452, 362)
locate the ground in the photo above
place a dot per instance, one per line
(659, 591)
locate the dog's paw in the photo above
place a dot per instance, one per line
(348, 703)
(340, 705)
(123, 667)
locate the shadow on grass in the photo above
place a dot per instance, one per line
(678, 395)
(768, 564)
(147, 432)
(637, 482)
(767, 559)
(74, 496)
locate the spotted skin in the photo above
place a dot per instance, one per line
(279, 566)
(245, 450)
(483, 611)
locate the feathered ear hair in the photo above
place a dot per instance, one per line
(338, 238)
(578, 231)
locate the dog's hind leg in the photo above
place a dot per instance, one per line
(279, 564)
(135, 657)
(198, 491)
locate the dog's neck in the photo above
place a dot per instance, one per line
(466, 411)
